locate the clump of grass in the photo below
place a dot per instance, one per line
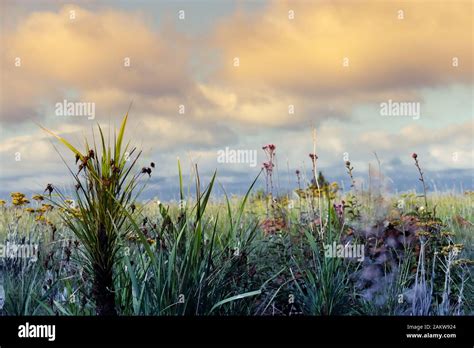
(105, 192)
(188, 262)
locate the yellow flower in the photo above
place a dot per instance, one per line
(30, 210)
(45, 207)
(38, 197)
(455, 248)
(19, 199)
(463, 262)
(132, 237)
(447, 234)
(16, 202)
(2, 202)
(421, 233)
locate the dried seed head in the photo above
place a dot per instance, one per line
(49, 188)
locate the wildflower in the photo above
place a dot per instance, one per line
(49, 188)
(447, 234)
(463, 262)
(270, 151)
(271, 226)
(269, 148)
(76, 212)
(339, 208)
(46, 207)
(147, 171)
(446, 249)
(299, 178)
(414, 155)
(2, 202)
(454, 248)
(268, 166)
(40, 218)
(313, 156)
(349, 171)
(421, 209)
(38, 198)
(151, 241)
(30, 210)
(421, 233)
(18, 199)
(132, 237)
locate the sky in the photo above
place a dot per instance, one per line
(204, 76)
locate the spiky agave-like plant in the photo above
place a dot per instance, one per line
(104, 196)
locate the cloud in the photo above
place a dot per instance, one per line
(439, 148)
(305, 55)
(61, 56)
(284, 64)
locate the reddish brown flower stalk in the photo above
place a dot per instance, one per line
(349, 171)
(269, 165)
(314, 158)
(421, 178)
(299, 178)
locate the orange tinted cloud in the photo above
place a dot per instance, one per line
(305, 55)
(90, 53)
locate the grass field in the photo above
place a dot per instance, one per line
(317, 251)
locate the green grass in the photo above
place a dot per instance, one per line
(208, 258)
